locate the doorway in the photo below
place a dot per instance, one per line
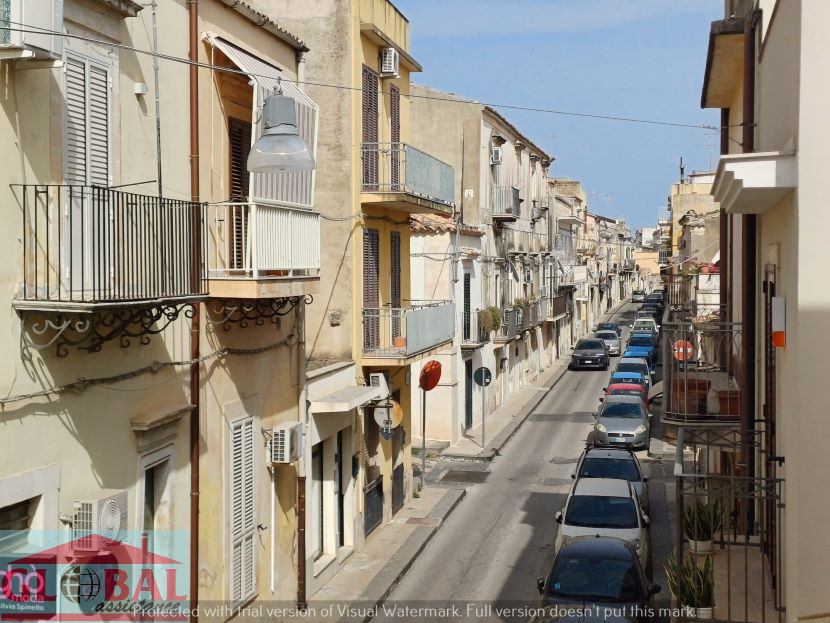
(468, 394)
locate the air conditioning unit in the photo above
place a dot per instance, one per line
(99, 523)
(285, 443)
(38, 16)
(378, 379)
(496, 155)
(389, 63)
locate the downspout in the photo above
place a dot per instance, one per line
(748, 271)
(725, 250)
(195, 326)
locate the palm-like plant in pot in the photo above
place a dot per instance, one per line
(692, 585)
(701, 520)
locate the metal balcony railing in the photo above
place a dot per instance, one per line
(510, 325)
(94, 245)
(405, 331)
(262, 241)
(472, 332)
(401, 168)
(663, 216)
(505, 202)
(558, 306)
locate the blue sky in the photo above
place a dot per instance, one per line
(630, 58)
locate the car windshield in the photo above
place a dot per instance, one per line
(601, 511)
(589, 345)
(607, 335)
(632, 367)
(640, 341)
(596, 467)
(622, 409)
(597, 579)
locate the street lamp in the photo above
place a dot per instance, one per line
(280, 148)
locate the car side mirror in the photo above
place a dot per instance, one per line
(558, 516)
(646, 520)
(645, 478)
(601, 398)
(653, 589)
(573, 476)
(540, 585)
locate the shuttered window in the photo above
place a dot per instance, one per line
(395, 288)
(242, 512)
(371, 290)
(87, 94)
(395, 115)
(239, 144)
(370, 129)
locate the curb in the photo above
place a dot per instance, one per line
(458, 495)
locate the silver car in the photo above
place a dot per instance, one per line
(622, 463)
(612, 341)
(623, 421)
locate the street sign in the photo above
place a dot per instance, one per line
(430, 375)
(482, 376)
(683, 350)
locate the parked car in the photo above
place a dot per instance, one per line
(643, 345)
(612, 341)
(626, 389)
(609, 326)
(624, 421)
(645, 324)
(634, 378)
(636, 364)
(590, 353)
(604, 507)
(600, 462)
(591, 576)
(638, 296)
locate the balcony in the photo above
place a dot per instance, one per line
(399, 176)
(557, 307)
(532, 316)
(257, 250)
(663, 216)
(473, 333)
(89, 247)
(627, 266)
(510, 326)
(395, 335)
(505, 203)
(583, 246)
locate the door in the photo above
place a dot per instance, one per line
(395, 285)
(396, 147)
(370, 130)
(468, 394)
(340, 493)
(239, 144)
(371, 292)
(466, 327)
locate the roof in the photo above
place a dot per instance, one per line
(260, 19)
(533, 146)
(596, 547)
(438, 224)
(612, 487)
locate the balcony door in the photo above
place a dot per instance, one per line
(239, 144)
(395, 285)
(371, 290)
(370, 129)
(395, 117)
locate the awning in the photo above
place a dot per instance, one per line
(344, 399)
(754, 182)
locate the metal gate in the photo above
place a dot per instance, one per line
(372, 505)
(397, 489)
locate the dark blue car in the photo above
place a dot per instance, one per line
(643, 345)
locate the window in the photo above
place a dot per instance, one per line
(242, 512)
(15, 523)
(87, 93)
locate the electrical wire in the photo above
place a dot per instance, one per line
(186, 61)
(82, 383)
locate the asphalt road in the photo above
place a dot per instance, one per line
(500, 538)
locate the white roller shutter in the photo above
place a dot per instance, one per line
(242, 512)
(88, 97)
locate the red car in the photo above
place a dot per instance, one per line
(626, 389)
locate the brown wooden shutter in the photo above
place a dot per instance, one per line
(397, 149)
(371, 290)
(396, 283)
(239, 141)
(370, 129)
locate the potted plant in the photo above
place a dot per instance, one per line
(519, 303)
(701, 520)
(692, 585)
(729, 401)
(487, 321)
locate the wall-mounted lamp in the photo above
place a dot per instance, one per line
(280, 148)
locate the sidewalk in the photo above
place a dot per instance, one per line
(503, 423)
(369, 575)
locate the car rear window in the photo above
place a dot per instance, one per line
(607, 335)
(601, 511)
(625, 392)
(609, 468)
(640, 341)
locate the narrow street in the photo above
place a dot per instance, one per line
(500, 539)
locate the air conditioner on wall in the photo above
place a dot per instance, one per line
(496, 155)
(285, 443)
(378, 379)
(101, 522)
(390, 61)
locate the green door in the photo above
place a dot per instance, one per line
(468, 394)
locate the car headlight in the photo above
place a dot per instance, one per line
(640, 429)
(601, 428)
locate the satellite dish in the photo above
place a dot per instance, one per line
(389, 417)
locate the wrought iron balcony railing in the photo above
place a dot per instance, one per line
(401, 168)
(87, 246)
(262, 241)
(405, 331)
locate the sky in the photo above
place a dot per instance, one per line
(625, 58)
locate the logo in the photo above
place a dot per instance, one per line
(80, 584)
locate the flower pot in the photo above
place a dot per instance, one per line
(399, 342)
(705, 269)
(700, 548)
(703, 614)
(729, 401)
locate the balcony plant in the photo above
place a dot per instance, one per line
(701, 520)
(519, 303)
(489, 319)
(692, 585)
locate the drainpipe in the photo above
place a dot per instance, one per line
(725, 251)
(301, 375)
(195, 326)
(748, 270)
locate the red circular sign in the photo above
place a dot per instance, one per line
(683, 350)
(430, 375)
